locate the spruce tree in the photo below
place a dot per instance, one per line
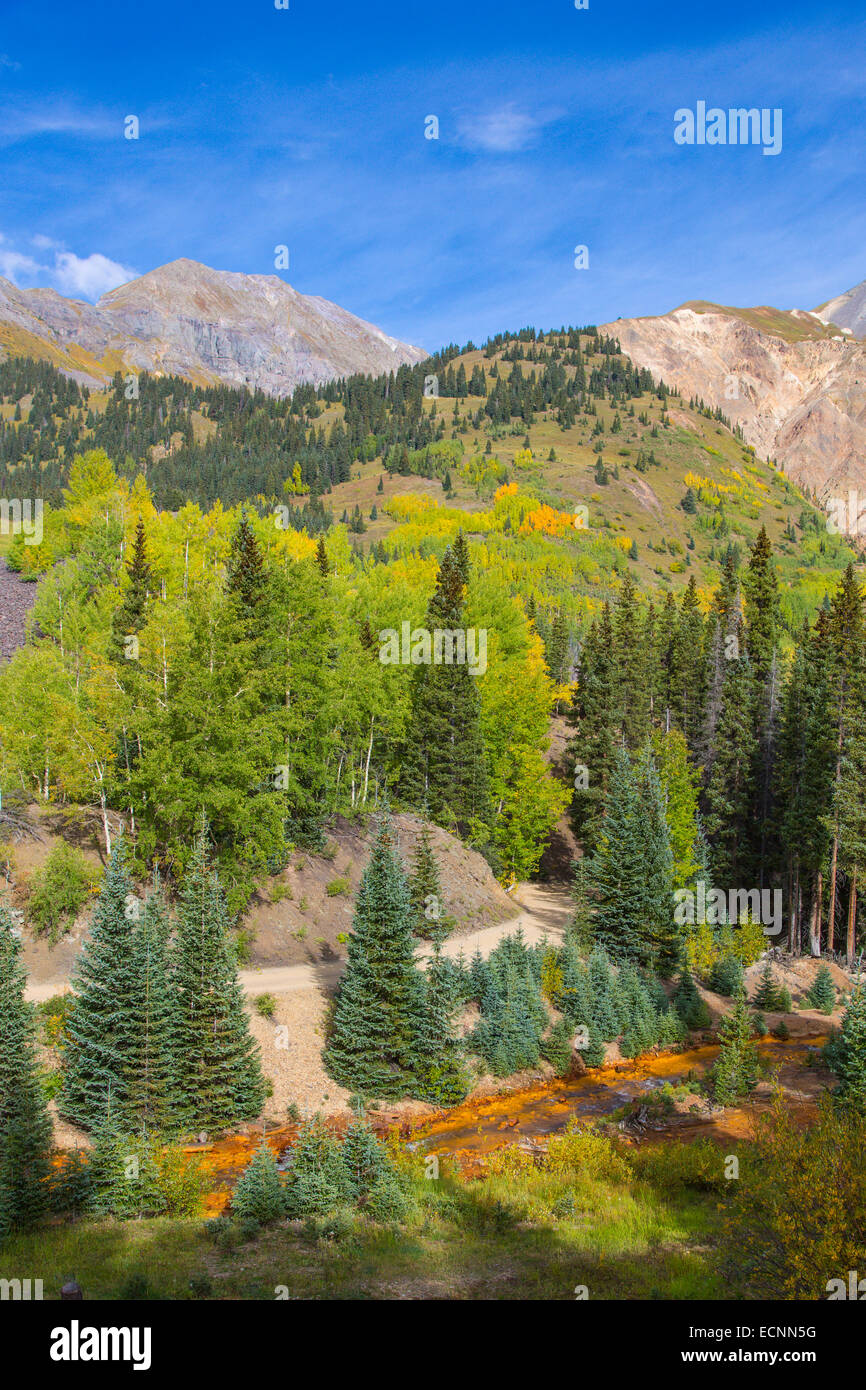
(440, 1076)
(846, 1055)
(379, 1011)
(632, 871)
(593, 715)
(364, 1158)
(150, 1097)
(245, 578)
(426, 890)
(845, 673)
(219, 1075)
(735, 1074)
(727, 975)
(101, 1031)
(445, 762)
(129, 618)
(259, 1194)
(25, 1129)
(687, 1001)
(767, 994)
(822, 994)
(731, 794)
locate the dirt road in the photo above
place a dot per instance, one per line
(542, 911)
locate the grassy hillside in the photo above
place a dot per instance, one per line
(611, 471)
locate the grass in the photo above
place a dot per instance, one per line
(527, 1235)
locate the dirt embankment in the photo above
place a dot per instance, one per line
(300, 918)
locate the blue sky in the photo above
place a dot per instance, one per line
(305, 127)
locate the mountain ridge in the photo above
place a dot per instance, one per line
(209, 326)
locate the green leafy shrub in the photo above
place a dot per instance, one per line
(581, 1151)
(59, 890)
(266, 1005)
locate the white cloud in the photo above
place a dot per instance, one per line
(14, 265)
(84, 277)
(502, 131)
(89, 276)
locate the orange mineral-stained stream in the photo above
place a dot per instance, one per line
(479, 1126)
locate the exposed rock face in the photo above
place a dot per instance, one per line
(206, 325)
(848, 310)
(800, 398)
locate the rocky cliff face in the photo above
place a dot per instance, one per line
(847, 311)
(796, 386)
(206, 325)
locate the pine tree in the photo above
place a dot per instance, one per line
(845, 636)
(365, 1159)
(258, 1195)
(846, 1055)
(219, 1075)
(150, 1096)
(593, 715)
(822, 994)
(727, 976)
(735, 1074)
(731, 792)
(767, 994)
(426, 890)
(440, 1076)
(245, 577)
(25, 1129)
(687, 1002)
(101, 1031)
(632, 871)
(129, 618)
(445, 764)
(380, 1008)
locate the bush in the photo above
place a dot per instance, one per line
(699, 1166)
(797, 1215)
(266, 1005)
(726, 976)
(583, 1152)
(59, 890)
(387, 1200)
(336, 887)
